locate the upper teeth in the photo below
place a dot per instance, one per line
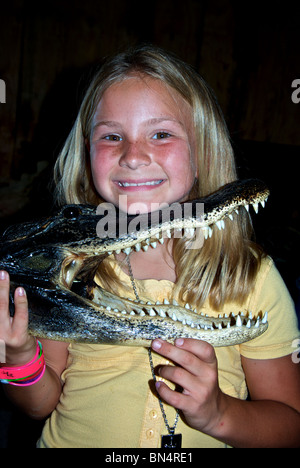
(131, 184)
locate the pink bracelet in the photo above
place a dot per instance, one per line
(26, 371)
(27, 383)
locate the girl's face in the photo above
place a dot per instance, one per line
(142, 146)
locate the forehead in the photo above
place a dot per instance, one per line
(144, 92)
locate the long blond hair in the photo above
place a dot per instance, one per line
(225, 267)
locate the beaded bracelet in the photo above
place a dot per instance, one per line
(25, 375)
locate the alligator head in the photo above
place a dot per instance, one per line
(55, 260)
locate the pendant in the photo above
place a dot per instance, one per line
(171, 441)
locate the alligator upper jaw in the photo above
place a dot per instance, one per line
(195, 220)
(220, 208)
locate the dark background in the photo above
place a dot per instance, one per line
(247, 51)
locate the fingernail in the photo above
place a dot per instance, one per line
(179, 342)
(157, 385)
(20, 292)
(156, 344)
(3, 275)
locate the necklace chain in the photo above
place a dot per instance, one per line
(171, 430)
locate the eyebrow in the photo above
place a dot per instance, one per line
(154, 121)
(106, 123)
(163, 119)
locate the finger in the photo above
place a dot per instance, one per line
(181, 377)
(186, 359)
(201, 349)
(4, 297)
(173, 398)
(20, 321)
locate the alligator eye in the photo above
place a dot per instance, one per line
(71, 212)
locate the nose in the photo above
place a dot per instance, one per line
(135, 155)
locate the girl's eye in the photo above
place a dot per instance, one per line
(112, 138)
(161, 135)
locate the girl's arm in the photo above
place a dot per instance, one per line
(39, 399)
(270, 419)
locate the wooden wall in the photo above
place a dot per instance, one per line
(248, 52)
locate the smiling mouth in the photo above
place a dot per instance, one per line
(140, 184)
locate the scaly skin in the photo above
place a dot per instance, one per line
(55, 260)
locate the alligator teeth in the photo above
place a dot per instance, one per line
(162, 313)
(265, 318)
(205, 232)
(238, 321)
(188, 232)
(189, 318)
(220, 224)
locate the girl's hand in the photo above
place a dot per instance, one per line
(201, 401)
(19, 346)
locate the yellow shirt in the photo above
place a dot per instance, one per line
(108, 398)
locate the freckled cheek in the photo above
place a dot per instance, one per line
(101, 167)
(180, 165)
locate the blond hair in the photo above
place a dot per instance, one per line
(224, 269)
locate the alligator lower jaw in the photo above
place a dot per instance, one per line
(167, 321)
(170, 312)
(183, 316)
(164, 320)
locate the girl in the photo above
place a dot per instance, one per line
(149, 128)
